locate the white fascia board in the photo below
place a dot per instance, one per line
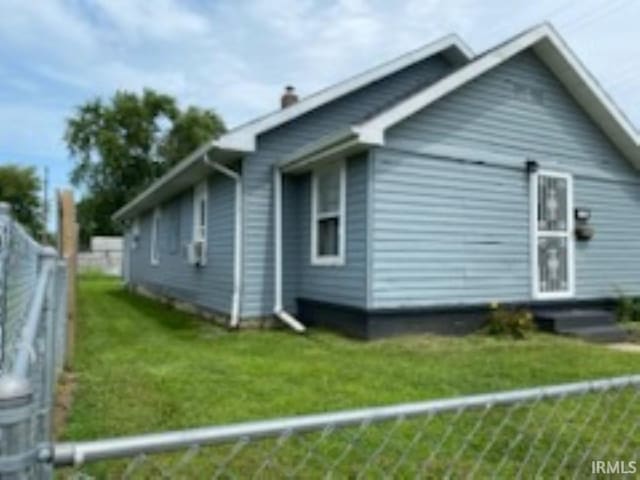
(588, 92)
(376, 126)
(245, 135)
(337, 144)
(237, 140)
(553, 52)
(180, 168)
(242, 139)
(316, 146)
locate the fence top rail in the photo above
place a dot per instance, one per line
(77, 453)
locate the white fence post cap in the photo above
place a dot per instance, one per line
(14, 388)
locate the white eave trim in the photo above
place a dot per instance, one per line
(242, 139)
(336, 145)
(553, 51)
(313, 151)
(184, 165)
(244, 136)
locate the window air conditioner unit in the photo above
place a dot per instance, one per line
(196, 253)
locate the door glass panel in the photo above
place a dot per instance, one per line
(553, 271)
(552, 234)
(552, 204)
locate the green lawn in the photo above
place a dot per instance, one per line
(142, 367)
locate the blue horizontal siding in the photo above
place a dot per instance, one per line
(274, 146)
(488, 113)
(433, 243)
(456, 231)
(609, 265)
(339, 284)
(210, 286)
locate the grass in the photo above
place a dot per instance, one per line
(142, 367)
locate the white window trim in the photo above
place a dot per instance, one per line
(329, 260)
(154, 245)
(533, 215)
(200, 193)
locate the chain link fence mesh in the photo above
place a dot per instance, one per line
(566, 431)
(19, 256)
(543, 436)
(32, 329)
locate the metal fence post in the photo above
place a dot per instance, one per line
(18, 445)
(5, 219)
(60, 322)
(47, 368)
(30, 314)
(49, 255)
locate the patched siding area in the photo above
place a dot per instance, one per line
(209, 286)
(447, 232)
(454, 228)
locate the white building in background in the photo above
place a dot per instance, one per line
(105, 256)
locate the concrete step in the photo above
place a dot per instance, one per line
(598, 334)
(558, 320)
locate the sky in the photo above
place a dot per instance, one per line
(235, 56)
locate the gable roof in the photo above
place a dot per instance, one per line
(244, 136)
(543, 39)
(242, 139)
(556, 55)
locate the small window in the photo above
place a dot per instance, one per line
(197, 250)
(155, 231)
(328, 189)
(200, 213)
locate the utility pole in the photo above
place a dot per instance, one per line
(45, 204)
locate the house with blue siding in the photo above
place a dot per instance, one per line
(407, 198)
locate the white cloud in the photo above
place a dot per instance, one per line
(45, 26)
(159, 19)
(237, 56)
(116, 74)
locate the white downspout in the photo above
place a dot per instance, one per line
(237, 239)
(278, 309)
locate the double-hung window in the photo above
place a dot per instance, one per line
(328, 192)
(200, 220)
(155, 233)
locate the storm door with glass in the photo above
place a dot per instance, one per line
(552, 235)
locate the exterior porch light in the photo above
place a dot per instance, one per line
(532, 166)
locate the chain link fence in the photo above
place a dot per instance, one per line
(32, 328)
(565, 431)
(19, 257)
(575, 430)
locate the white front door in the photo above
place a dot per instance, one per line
(552, 235)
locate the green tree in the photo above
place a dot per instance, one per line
(20, 187)
(190, 129)
(120, 146)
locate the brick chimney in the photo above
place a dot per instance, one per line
(289, 97)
